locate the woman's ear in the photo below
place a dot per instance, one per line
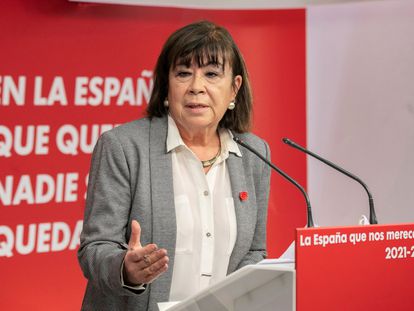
(237, 82)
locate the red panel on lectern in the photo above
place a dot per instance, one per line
(355, 268)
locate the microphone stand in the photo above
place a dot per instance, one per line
(290, 179)
(372, 215)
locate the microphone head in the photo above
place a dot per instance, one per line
(287, 141)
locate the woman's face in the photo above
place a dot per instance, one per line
(199, 96)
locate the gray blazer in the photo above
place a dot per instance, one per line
(131, 178)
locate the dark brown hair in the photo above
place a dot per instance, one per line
(203, 43)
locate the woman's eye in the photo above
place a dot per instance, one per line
(211, 74)
(183, 74)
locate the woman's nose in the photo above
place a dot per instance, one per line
(197, 85)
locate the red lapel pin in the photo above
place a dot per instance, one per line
(243, 195)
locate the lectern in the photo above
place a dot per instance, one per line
(254, 287)
(337, 268)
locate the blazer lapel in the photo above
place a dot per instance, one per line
(245, 212)
(163, 210)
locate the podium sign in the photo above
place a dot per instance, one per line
(355, 268)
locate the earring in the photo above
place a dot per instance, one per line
(166, 104)
(232, 105)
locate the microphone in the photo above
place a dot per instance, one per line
(372, 216)
(286, 176)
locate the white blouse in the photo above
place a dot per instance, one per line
(206, 220)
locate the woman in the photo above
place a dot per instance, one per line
(174, 205)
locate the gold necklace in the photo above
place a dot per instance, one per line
(208, 163)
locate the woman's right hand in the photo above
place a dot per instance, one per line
(143, 264)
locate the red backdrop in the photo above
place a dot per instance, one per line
(55, 56)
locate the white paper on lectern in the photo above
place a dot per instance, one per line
(165, 306)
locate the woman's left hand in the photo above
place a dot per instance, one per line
(143, 264)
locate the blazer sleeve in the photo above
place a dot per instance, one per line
(257, 250)
(103, 239)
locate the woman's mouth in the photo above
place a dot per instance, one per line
(196, 108)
